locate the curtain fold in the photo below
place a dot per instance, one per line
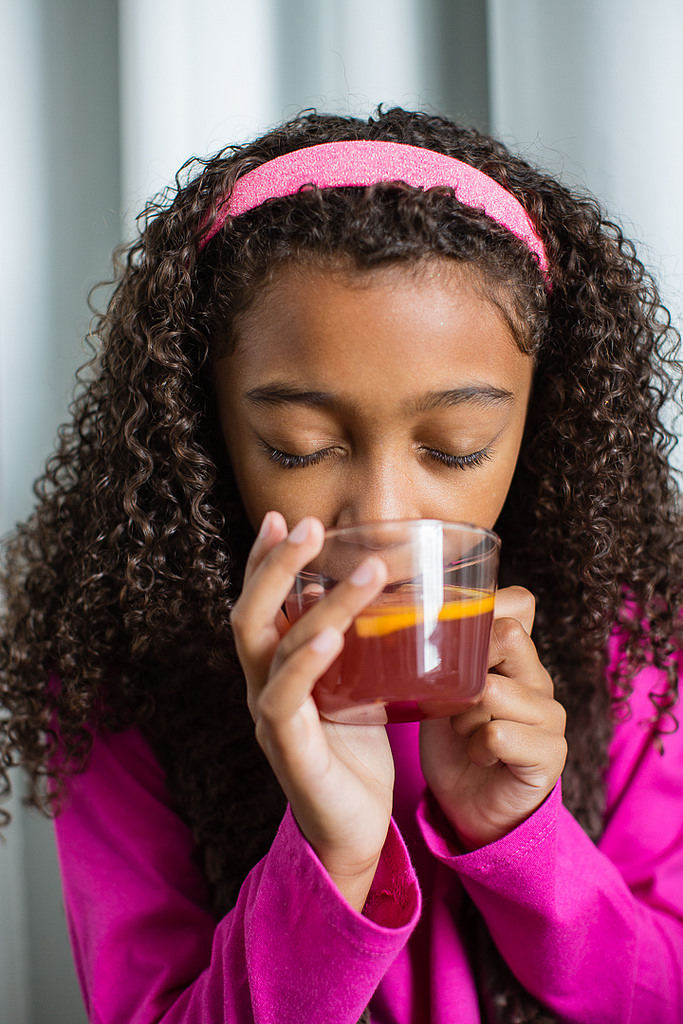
(594, 91)
(59, 180)
(199, 75)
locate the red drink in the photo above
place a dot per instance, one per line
(403, 661)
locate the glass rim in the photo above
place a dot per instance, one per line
(454, 524)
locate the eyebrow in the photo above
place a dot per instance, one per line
(485, 394)
(282, 394)
(279, 393)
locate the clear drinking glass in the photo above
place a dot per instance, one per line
(420, 650)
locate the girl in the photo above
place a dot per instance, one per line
(349, 321)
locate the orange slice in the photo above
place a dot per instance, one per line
(379, 620)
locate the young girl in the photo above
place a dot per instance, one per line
(345, 322)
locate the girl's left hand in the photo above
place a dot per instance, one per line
(493, 765)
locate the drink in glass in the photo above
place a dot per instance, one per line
(420, 649)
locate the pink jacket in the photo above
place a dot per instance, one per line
(594, 933)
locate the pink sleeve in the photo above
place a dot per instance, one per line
(595, 933)
(147, 949)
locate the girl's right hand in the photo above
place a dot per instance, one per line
(338, 778)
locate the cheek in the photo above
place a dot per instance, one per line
(485, 493)
(249, 482)
(287, 493)
(256, 495)
(481, 501)
(260, 489)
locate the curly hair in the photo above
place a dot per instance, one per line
(120, 585)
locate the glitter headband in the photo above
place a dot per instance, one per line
(368, 162)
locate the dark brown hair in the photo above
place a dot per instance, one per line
(119, 587)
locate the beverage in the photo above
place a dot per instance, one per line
(404, 660)
(420, 650)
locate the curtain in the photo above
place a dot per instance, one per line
(195, 76)
(594, 91)
(59, 181)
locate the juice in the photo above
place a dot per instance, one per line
(404, 662)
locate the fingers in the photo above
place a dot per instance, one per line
(273, 563)
(516, 603)
(273, 529)
(510, 700)
(512, 653)
(257, 620)
(506, 753)
(312, 644)
(517, 729)
(536, 755)
(338, 608)
(517, 721)
(290, 687)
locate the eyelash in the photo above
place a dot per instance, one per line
(288, 461)
(459, 461)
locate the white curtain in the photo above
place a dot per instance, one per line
(104, 101)
(198, 75)
(594, 90)
(59, 182)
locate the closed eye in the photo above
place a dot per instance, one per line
(287, 460)
(459, 461)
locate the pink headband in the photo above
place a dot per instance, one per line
(367, 162)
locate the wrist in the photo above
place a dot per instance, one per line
(468, 835)
(354, 887)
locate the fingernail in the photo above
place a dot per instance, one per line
(326, 640)
(363, 575)
(264, 529)
(300, 532)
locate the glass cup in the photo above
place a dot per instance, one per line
(420, 649)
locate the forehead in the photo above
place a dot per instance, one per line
(376, 329)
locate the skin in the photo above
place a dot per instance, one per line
(349, 397)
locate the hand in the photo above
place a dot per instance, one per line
(338, 779)
(493, 765)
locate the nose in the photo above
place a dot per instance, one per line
(377, 491)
